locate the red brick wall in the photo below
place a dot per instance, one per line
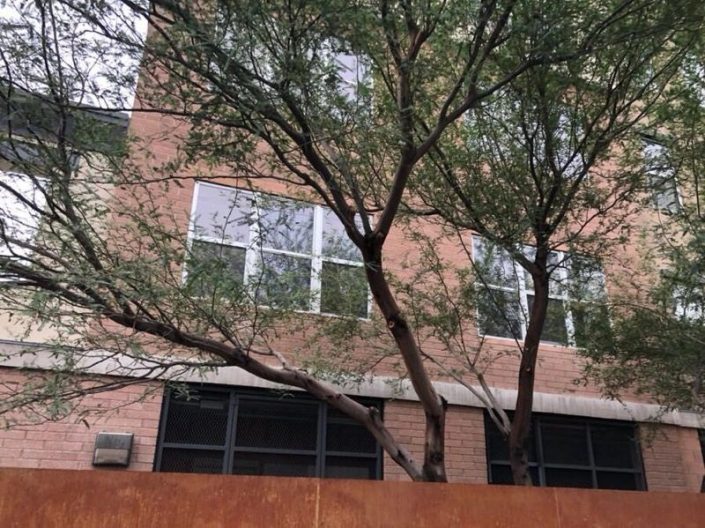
(68, 444)
(672, 458)
(465, 440)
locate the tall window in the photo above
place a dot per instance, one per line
(263, 433)
(572, 452)
(287, 253)
(506, 294)
(661, 177)
(22, 198)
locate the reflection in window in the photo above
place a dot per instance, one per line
(505, 295)
(286, 253)
(661, 177)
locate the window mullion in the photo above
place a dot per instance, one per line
(321, 448)
(254, 245)
(523, 301)
(316, 261)
(565, 277)
(191, 232)
(538, 443)
(230, 432)
(591, 456)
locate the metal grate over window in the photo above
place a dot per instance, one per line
(249, 432)
(572, 452)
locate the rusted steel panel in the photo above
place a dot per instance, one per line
(408, 504)
(111, 499)
(630, 509)
(108, 499)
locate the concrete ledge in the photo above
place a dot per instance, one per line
(31, 355)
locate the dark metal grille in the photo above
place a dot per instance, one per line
(572, 452)
(277, 424)
(191, 461)
(253, 432)
(274, 464)
(200, 419)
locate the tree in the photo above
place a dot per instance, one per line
(256, 90)
(533, 178)
(654, 343)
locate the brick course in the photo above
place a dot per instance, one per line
(672, 458)
(68, 443)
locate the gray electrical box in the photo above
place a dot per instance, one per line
(113, 449)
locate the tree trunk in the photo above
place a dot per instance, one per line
(521, 423)
(433, 404)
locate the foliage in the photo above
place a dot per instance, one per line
(484, 116)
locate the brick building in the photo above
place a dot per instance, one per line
(240, 424)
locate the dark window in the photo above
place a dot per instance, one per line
(572, 452)
(249, 432)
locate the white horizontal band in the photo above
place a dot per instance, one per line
(32, 355)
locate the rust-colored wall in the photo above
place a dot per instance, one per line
(79, 499)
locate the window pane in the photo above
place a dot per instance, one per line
(351, 74)
(588, 318)
(613, 480)
(216, 269)
(613, 446)
(568, 478)
(661, 177)
(335, 242)
(502, 474)
(285, 281)
(494, 264)
(499, 313)
(554, 329)
(564, 444)
(587, 279)
(285, 225)
(343, 290)
(203, 419)
(350, 468)
(222, 213)
(20, 220)
(665, 193)
(191, 461)
(557, 285)
(277, 424)
(497, 446)
(274, 464)
(348, 436)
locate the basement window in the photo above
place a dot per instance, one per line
(572, 453)
(248, 432)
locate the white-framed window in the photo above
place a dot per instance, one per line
(505, 294)
(22, 199)
(688, 302)
(661, 177)
(286, 253)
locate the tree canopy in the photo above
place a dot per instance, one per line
(501, 118)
